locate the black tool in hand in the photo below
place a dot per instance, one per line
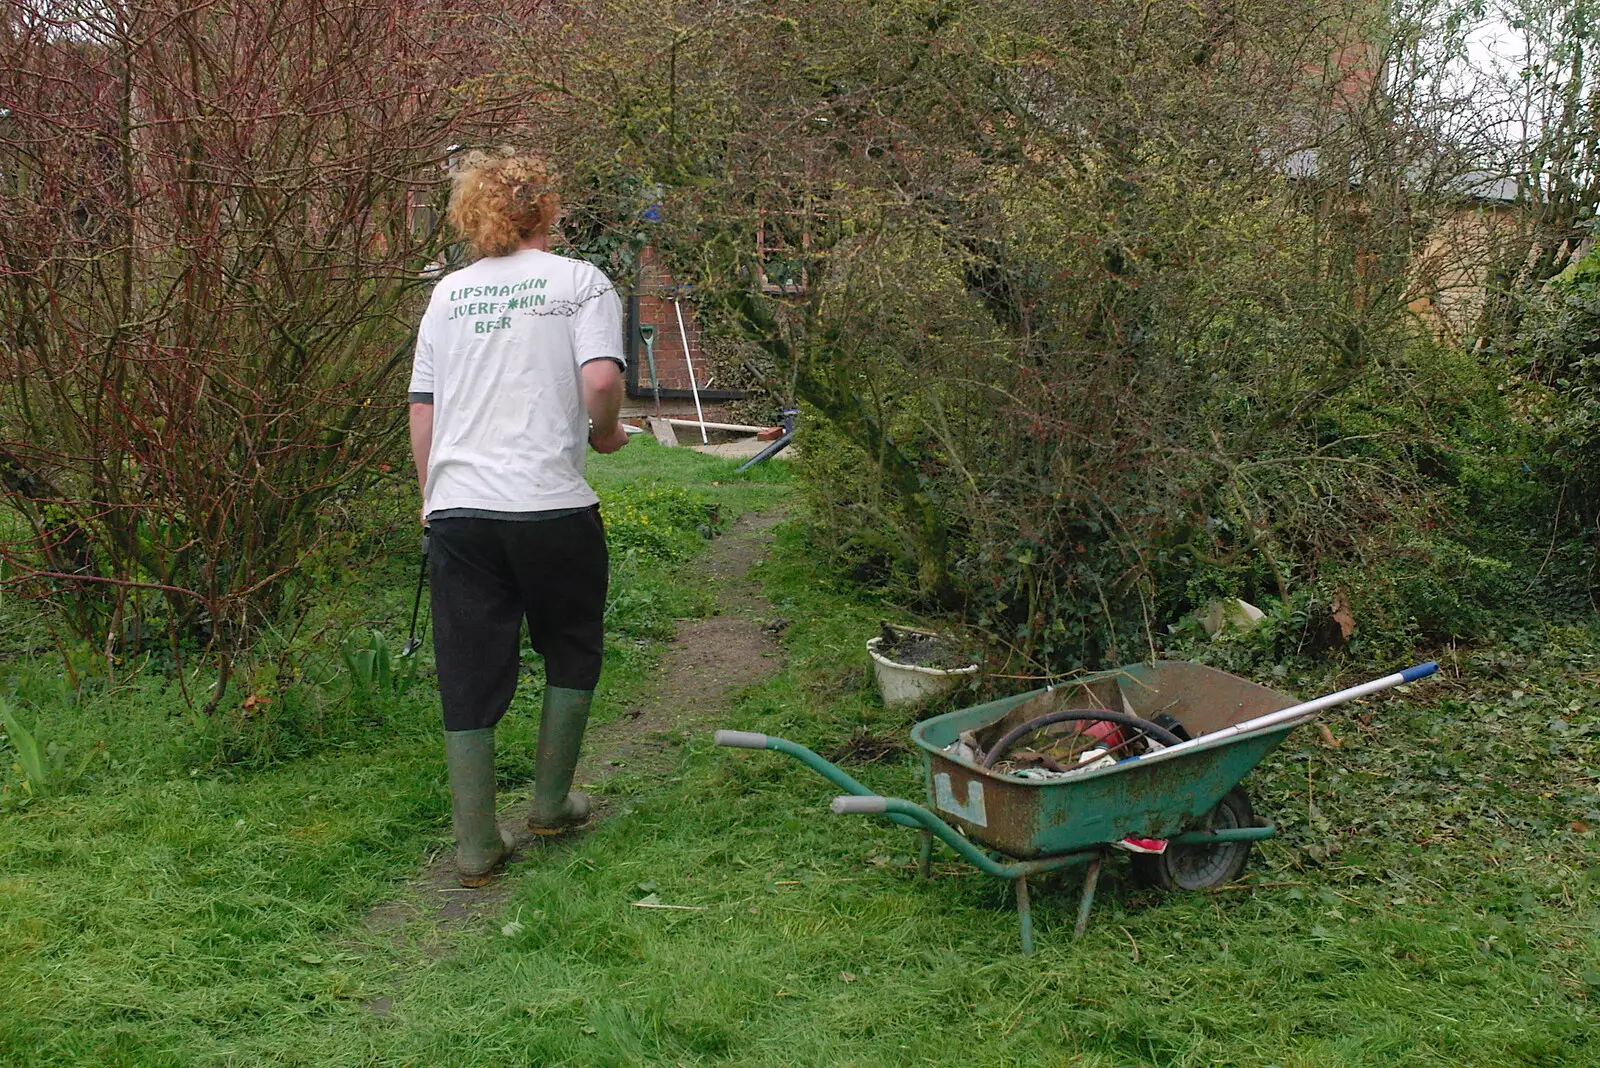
(413, 643)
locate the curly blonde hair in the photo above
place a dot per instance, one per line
(498, 202)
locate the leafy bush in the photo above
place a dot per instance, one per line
(1556, 359)
(1561, 342)
(1079, 348)
(241, 244)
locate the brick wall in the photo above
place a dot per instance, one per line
(656, 309)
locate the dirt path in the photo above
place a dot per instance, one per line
(709, 662)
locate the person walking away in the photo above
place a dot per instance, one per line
(518, 365)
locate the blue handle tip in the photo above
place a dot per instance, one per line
(1421, 671)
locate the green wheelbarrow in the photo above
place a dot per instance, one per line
(1184, 794)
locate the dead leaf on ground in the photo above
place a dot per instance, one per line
(1342, 615)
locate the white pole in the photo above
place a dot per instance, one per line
(1307, 708)
(684, 334)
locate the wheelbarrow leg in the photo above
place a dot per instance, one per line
(1090, 877)
(1025, 914)
(925, 858)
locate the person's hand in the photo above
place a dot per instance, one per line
(608, 441)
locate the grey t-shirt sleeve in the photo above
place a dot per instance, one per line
(597, 323)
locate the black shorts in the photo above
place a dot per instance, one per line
(490, 574)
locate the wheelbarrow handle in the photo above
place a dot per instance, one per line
(902, 811)
(860, 806)
(741, 739)
(832, 772)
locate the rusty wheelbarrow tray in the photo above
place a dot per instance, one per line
(1013, 827)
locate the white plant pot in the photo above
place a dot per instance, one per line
(910, 684)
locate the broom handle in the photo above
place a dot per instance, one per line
(1305, 708)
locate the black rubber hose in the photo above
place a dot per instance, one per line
(1010, 738)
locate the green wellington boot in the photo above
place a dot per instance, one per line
(556, 806)
(481, 846)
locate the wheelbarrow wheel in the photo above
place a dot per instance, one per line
(1200, 867)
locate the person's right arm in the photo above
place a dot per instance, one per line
(421, 441)
(420, 394)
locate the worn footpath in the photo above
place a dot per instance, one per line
(706, 666)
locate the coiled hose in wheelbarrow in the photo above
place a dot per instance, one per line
(1015, 734)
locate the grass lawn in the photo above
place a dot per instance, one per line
(1434, 898)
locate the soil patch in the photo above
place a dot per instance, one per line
(704, 668)
(920, 650)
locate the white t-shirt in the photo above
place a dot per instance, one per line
(498, 353)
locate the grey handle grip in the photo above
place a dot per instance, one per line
(851, 804)
(742, 739)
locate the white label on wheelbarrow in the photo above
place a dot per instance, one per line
(945, 797)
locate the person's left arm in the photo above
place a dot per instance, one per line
(602, 398)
